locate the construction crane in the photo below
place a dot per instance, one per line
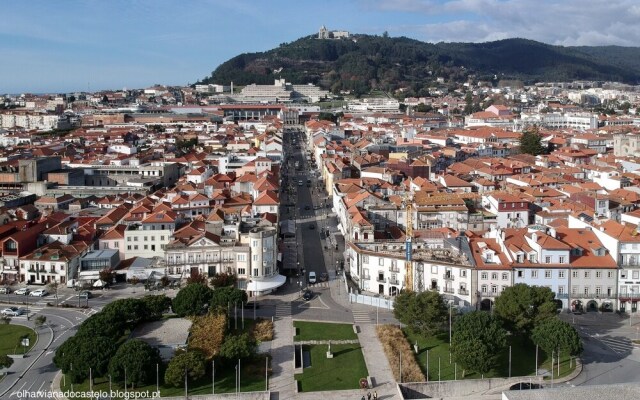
(408, 273)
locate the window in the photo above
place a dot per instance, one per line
(116, 245)
(635, 273)
(135, 247)
(547, 273)
(598, 274)
(256, 271)
(242, 271)
(255, 257)
(463, 273)
(129, 247)
(574, 290)
(505, 276)
(561, 259)
(609, 274)
(494, 275)
(254, 243)
(484, 289)
(547, 260)
(128, 238)
(145, 238)
(494, 289)
(532, 257)
(574, 274)
(484, 276)
(146, 247)
(520, 274)
(587, 274)
(161, 237)
(586, 291)
(560, 289)
(561, 274)
(534, 274)
(598, 290)
(381, 261)
(242, 257)
(434, 269)
(365, 259)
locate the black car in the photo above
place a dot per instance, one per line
(307, 207)
(308, 295)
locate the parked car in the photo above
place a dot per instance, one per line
(85, 294)
(23, 291)
(307, 295)
(5, 290)
(312, 277)
(39, 293)
(12, 312)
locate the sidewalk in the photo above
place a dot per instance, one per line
(282, 367)
(377, 364)
(22, 365)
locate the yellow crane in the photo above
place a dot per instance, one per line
(408, 277)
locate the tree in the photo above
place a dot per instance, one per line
(130, 311)
(193, 362)
(5, 361)
(193, 299)
(40, 320)
(102, 324)
(223, 279)
(227, 296)
(422, 312)
(208, 333)
(53, 286)
(238, 346)
(106, 275)
(531, 142)
(197, 278)
(139, 359)
(477, 340)
(522, 307)
(155, 306)
(553, 334)
(79, 353)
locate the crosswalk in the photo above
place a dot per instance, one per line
(361, 317)
(283, 310)
(617, 344)
(318, 285)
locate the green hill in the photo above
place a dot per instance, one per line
(365, 62)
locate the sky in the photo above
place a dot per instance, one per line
(89, 45)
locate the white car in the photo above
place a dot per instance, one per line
(22, 291)
(312, 277)
(39, 293)
(12, 312)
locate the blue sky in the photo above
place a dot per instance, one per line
(71, 45)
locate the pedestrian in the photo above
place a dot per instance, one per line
(375, 395)
(362, 397)
(368, 395)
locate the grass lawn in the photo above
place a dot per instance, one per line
(523, 359)
(341, 372)
(10, 338)
(323, 331)
(252, 380)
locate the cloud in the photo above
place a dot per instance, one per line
(566, 22)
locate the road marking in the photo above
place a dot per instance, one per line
(361, 317)
(48, 352)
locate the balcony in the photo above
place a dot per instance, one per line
(463, 292)
(394, 269)
(394, 281)
(448, 277)
(380, 280)
(489, 294)
(448, 290)
(434, 288)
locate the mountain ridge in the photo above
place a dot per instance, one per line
(363, 63)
